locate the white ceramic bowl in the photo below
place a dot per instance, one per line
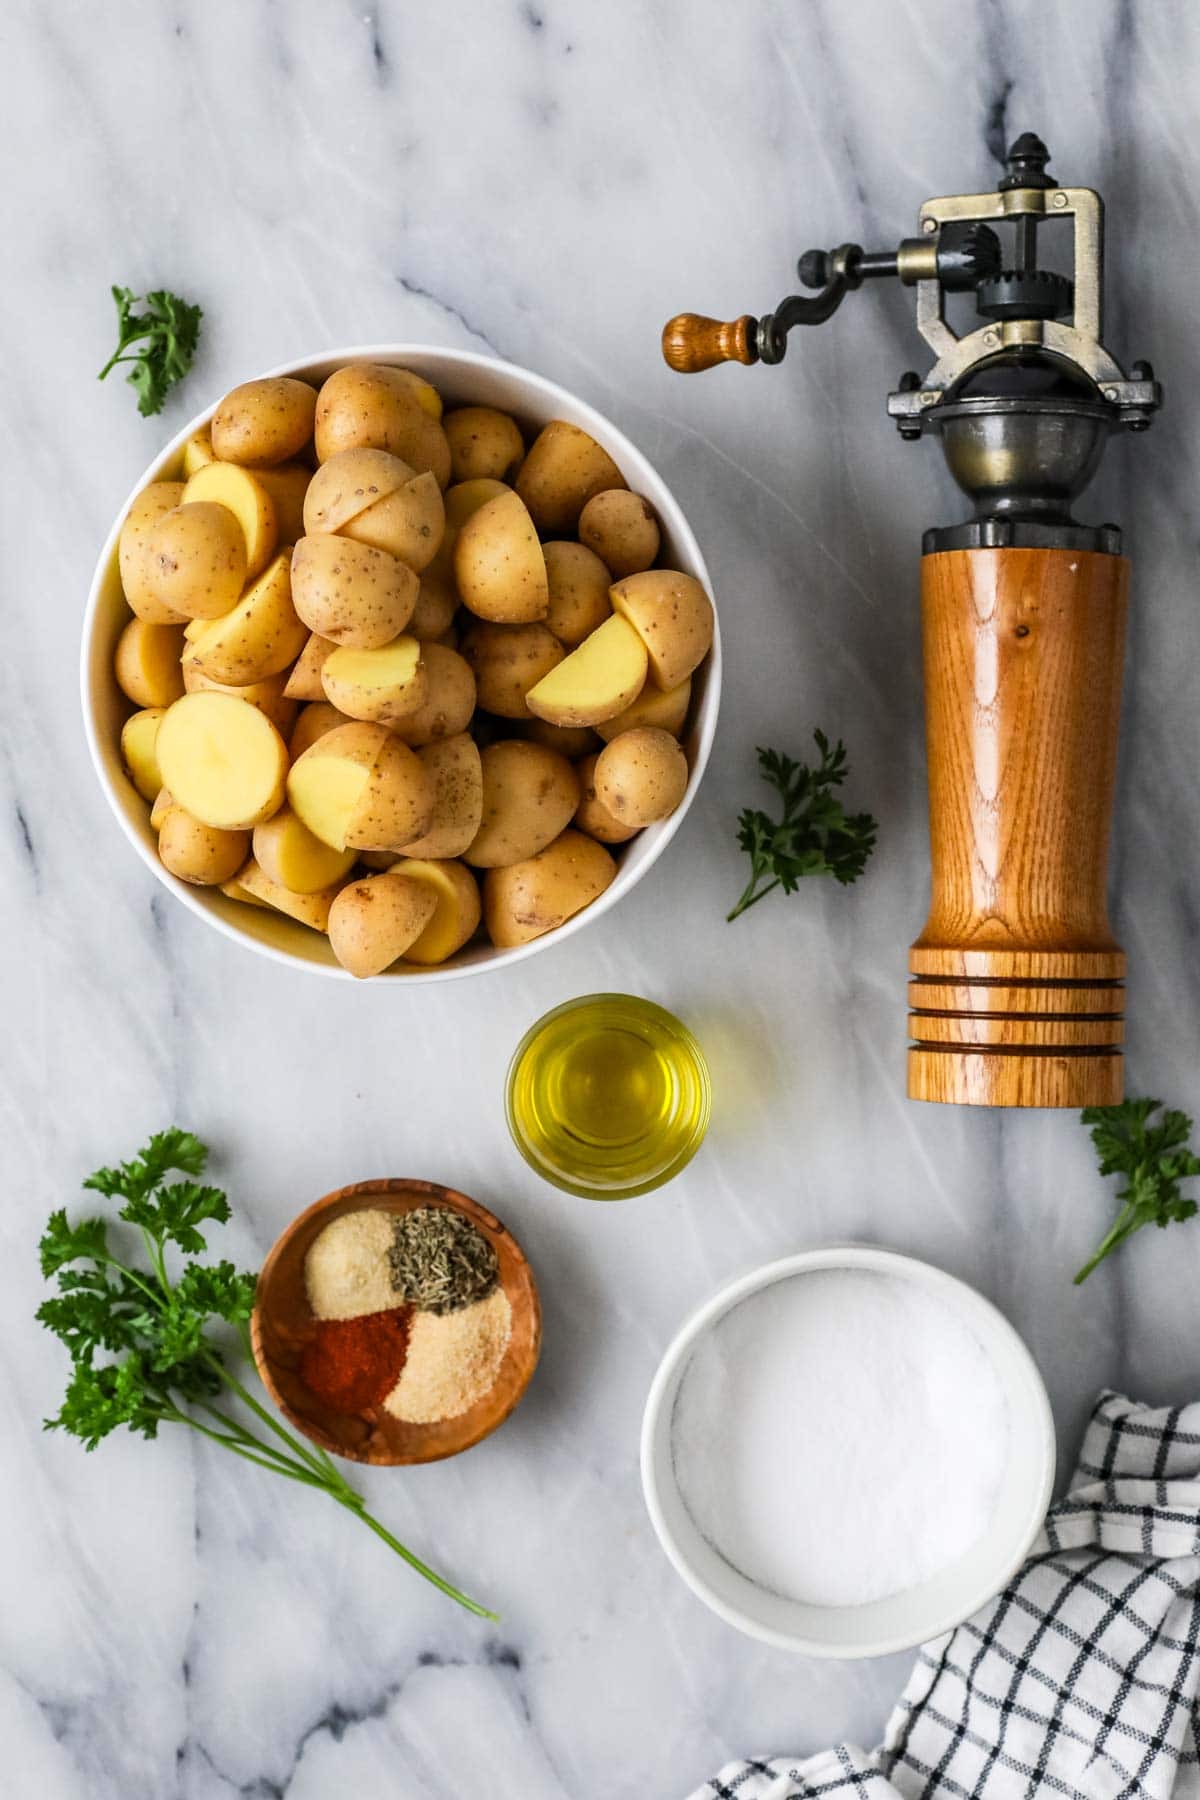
(904, 1619)
(460, 376)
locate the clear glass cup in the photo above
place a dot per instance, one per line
(608, 1096)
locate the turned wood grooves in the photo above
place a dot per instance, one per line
(1017, 996)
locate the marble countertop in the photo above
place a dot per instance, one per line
(547, 181)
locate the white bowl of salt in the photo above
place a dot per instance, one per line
(847, 1452)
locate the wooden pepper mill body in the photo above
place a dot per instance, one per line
(1017, 990)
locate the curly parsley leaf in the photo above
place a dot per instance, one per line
(159, 342)
(814, 835)
(1154, 1158)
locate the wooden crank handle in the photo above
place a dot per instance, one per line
(690, 342)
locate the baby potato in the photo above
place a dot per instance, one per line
(409, 522)
(455, 770)
(508, 660)
(564, 468)
(304, 677)
(456, 918)
(138, 736)
(641, 776)
(372, 406)
(622, 529)
(437, 603)
(249, 502)
(288, 853)
(578, 584)
(571, 741)
(597, 681)
(498, 563)
(373, 921)
(257, 889)
(385, 685)
(162, 805)
(449, 699)
(223, 761)
(359, 787)
(146, 663)
(529, 795)
(197, 560)
(666, 708)
(259, 638)
(197, 451)
(314, 721)
(268, 694)
(287, 485)
(592, 815)
(483, 442)
(673, 616)
(266, 421)
(147, 509)
(352, 593)
(197, 853)
(528, 899)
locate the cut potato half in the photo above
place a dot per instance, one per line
(664, 708)
(528, 899)
(228, 485)
(458, 912)
(139, 735)
(260, 637)
(456, 773)
(597, 681)
(146, 663)
(673, 616)
(223, 761)
(384, 685)
(359, 787)
(306, 909)
(290, 854)
(352, 593)
(148, 508)
(498, 563)
(373, 921)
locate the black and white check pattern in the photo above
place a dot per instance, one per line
(1080, 1681)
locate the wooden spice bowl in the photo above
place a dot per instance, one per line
(283, 1323)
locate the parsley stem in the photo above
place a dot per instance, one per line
(749, 897)
(358, 1508)
(1125, 1226)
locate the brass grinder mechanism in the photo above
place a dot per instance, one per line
(1017, 983)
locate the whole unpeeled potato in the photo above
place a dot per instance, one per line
(266, 421)
(527, 899)
(641, 776)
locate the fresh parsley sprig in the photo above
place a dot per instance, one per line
(167, 333)
(142, 1340)
(1154, 1158)
(814, 836)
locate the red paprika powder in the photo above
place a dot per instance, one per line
(355, 1363)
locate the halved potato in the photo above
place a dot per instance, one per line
(666, 708)
(223, 761)
(507, 661)
(304, 677)
(233, 890)
(147, 509)
(408, 522)
(162, 806)
(352, 593)
(564, 468)
(359, 787)
(483, 442)
(460, 501)
(449, 701)
(386, 685)
(307, 909)
(597, 681)
(197, 451)
(268, 694)
(264, 421)
(260, 637)
(373, 921)
(622, 529)
(196, 558)
(527, 899)
(529, 797)
(349, 483)
(456, 774)
(146, 663)
(288, 853)
(578, 585)
(314, 721)
(641, 776)
(437, 603)
(373, 406)
(225, 484)
(201, 854)
(673, 616)
(287, 485)
(458, 909)
(375, 498)
(592, 815)
(138, 736)
(499, 568)
(571, 741)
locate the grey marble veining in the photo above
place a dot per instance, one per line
(547, 181)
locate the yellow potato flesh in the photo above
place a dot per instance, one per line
(384, 685)
(458, 909)
(223, 761)
(307, 909)
(673, 616)
(138, 737)
(146, 663)
(597, 681)
(148, 508)
(665, 708)
(267, 695)
(198, 451)
(326, 793)
(260, 637)
(247, 499)
(290, 854)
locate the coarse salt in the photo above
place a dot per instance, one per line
(840, 1436)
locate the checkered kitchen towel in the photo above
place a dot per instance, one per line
(1080, 1680)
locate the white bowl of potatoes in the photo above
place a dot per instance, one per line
(400, 662)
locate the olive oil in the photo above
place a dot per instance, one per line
(608, 1096)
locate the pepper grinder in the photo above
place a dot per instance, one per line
(1016, 993)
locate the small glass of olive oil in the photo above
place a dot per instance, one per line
(608, 1096)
